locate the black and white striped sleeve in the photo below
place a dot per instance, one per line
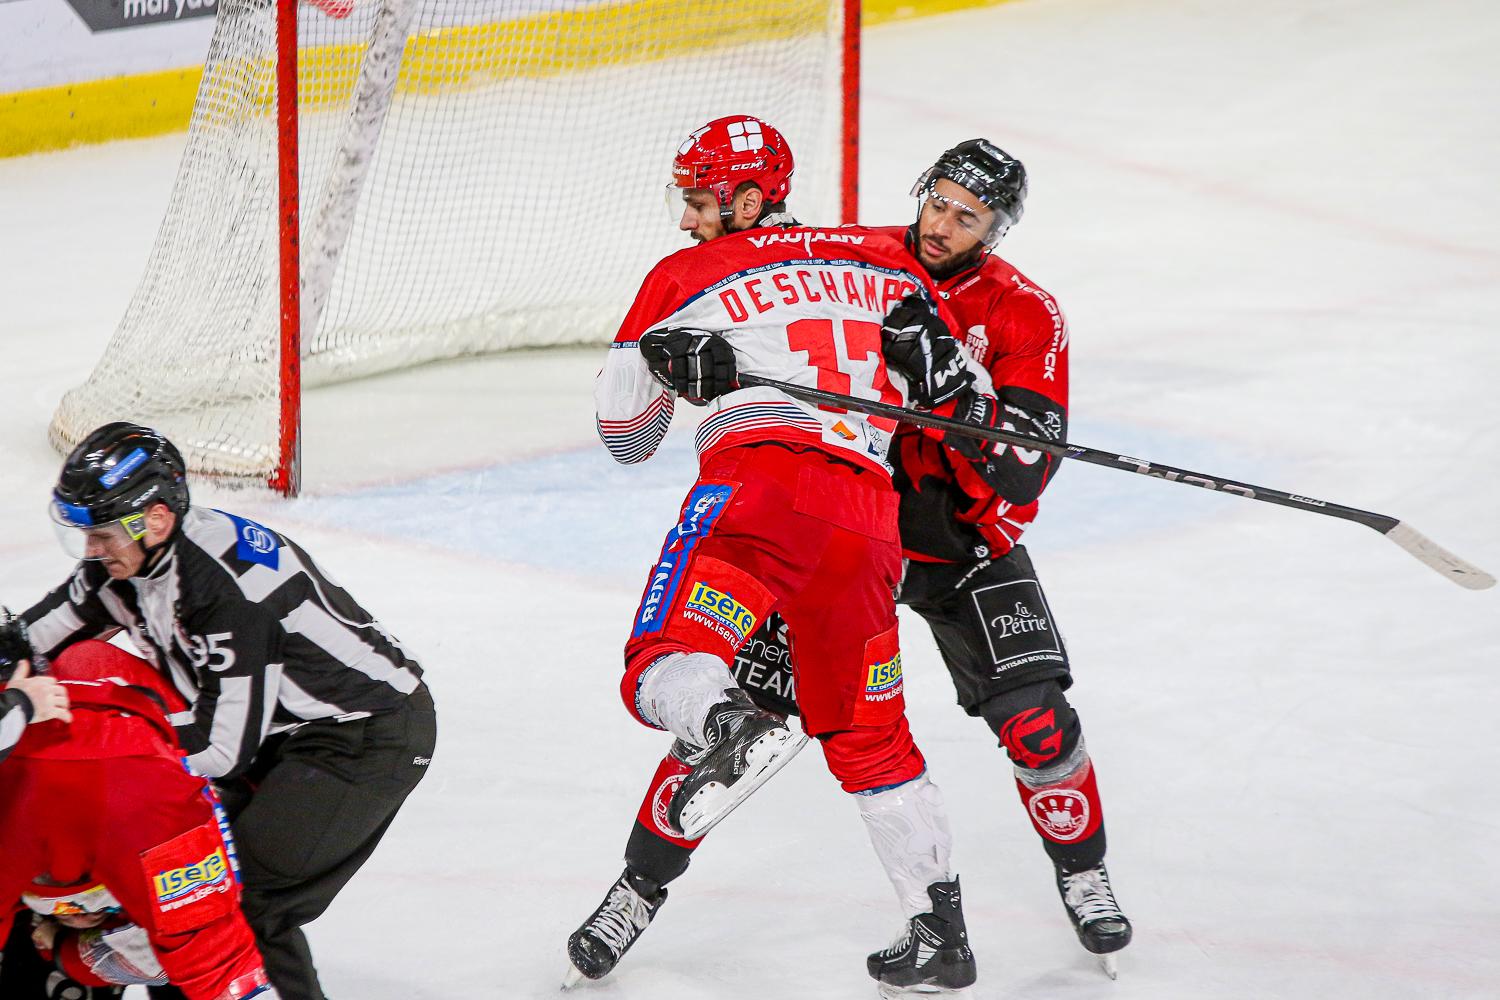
(15, 713)
(71, 613)
(238, 674)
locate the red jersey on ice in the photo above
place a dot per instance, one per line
(108, 800)
(797, 304)
(1018, 333)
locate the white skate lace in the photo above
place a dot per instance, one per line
(925, 949)
(902, 942)
(1087, 894)
(621, 919)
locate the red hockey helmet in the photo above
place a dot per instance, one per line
(727, 152)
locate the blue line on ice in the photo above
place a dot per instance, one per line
(580, 511)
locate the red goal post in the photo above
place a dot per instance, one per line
(455, 177)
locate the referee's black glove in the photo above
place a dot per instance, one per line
(698, 366)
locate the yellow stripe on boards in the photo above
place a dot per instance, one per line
(883, 11)
(127, 107)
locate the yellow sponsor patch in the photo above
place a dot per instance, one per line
(884, 676)
(178, 882)
(721, 608)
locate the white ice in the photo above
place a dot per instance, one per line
(1274, 228)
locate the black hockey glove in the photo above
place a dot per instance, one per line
(917, 344)
(973, 407)
(15, 645)
(698, 366)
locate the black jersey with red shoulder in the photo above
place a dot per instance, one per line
(1016, 331)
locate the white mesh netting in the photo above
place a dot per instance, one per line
(476, 175)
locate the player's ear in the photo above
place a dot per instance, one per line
(748, 202)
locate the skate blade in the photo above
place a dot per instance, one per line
(711, 803)
(888, 992)
(1107, 963)
(572, 977)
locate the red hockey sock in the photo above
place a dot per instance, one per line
(653, 811)
(1067, 810)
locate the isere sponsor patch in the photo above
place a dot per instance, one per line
(180, 886)
(721, 609)
(884, 679)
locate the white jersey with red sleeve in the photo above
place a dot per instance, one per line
(800, 305)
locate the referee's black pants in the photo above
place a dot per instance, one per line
(323, 797)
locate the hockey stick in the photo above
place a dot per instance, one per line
(1463, 573)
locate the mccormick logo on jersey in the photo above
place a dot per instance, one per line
(722, 612)
(177, 887)
(884, 680)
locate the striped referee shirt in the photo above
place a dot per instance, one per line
(250, 631)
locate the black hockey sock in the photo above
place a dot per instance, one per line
(1076, 857)
(653, 859)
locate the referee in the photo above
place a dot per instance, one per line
(311, 718)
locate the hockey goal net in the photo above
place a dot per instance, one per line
(455, 177)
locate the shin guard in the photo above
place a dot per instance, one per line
(908, 827)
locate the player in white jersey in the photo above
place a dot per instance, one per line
(793, 512)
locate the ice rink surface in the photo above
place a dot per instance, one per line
(1274, 229)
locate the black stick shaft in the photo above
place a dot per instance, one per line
(1062, 449)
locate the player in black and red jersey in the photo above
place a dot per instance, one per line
(792, 512)
(961, 522)
(963, 510)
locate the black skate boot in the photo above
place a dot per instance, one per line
(597, 947)
(932, 955)
(743, 747)
(1101, 927)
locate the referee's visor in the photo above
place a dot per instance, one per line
(82, 539)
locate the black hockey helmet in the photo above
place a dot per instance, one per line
(995, 177)
(115, 473)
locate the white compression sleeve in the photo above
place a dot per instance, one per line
(909, 828)
(677, 691)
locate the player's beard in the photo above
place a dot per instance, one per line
(956, 263)
(721, 230)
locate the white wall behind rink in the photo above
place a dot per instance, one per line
(43, 43)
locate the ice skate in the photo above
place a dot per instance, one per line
(597, 947)
(743, 747)
(932, 954)
(1101, 927)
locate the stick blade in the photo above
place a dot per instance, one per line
(1461, 572)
